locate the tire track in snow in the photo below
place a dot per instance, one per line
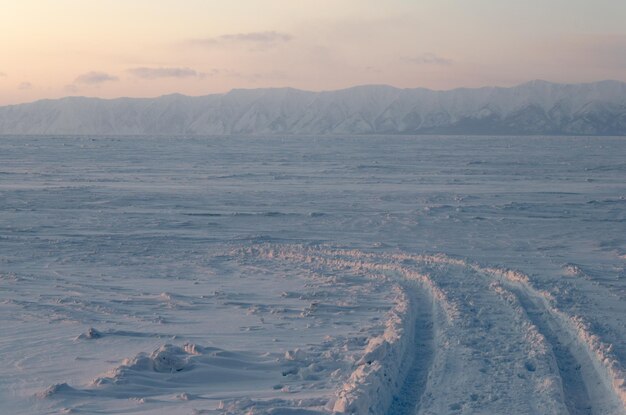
(583, 387)
(582, 367)
(592, 378)
(575, 392)
(405, 380)
(407, 401)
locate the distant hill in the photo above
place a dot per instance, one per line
(537, 108)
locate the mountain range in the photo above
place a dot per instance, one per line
(533, 108)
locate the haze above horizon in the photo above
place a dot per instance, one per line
(151, 48)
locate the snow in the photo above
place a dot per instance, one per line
(536, 107)
(379, 373)
(381, 275)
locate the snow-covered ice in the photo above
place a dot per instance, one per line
(307, 275)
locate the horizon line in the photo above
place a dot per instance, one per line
(316, 92)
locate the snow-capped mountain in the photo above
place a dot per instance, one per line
(536, 107)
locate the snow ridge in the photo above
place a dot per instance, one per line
(515, 288)
(380, 371)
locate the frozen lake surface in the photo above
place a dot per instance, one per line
(383, 275)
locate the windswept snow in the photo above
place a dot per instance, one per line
(374, 275)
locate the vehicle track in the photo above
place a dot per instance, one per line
(407, 401)
(575, 392)
(496, 360)
(584, 390)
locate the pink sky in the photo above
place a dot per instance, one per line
(144, 48)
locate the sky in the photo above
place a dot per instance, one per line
(146, 48)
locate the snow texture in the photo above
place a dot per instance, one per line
(366, 275)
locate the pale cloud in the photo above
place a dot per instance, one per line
(226, 73)
(154, 73)
(427, 59)
(24, 86)
(265, 37)
(257, 39)
(95, 78)
(71, 88)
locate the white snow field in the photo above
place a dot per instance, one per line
(306, 275)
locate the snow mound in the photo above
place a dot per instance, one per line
(56, 389)
(166, 359)
(90, 334)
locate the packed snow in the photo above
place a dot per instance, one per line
(307, 275)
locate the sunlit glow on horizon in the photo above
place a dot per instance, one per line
(144, 48)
